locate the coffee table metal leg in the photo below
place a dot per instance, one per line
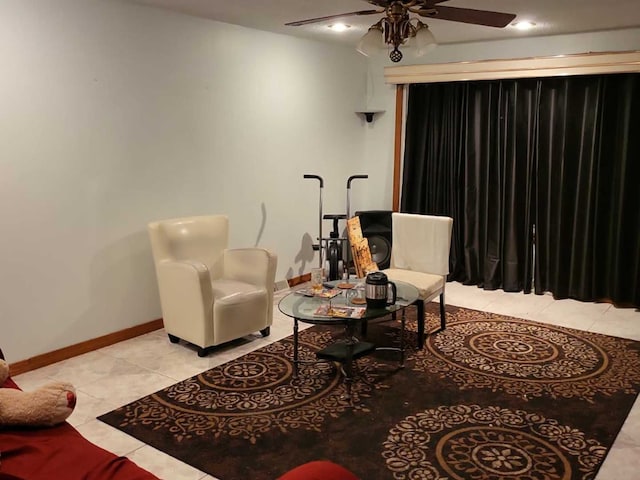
(402, 329)
(348, 361)
(295, 348)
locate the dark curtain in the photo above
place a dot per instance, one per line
(503, 157)
(468, 155)
(588, 189)
(434, 139)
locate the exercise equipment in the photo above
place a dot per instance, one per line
(332, 249)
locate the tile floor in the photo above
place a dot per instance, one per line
(118, 374)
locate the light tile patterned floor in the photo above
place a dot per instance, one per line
(118, 374)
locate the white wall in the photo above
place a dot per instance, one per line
(380, 135)
(113, 115)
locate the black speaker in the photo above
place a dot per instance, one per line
(376, 228)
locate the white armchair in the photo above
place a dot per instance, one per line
(210, 294)
(420, 256)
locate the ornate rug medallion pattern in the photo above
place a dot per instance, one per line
(473, 442)
(520, 357)
(491, 397)
(251, 395)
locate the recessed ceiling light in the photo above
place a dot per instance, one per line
(339, 27)
(524, 25)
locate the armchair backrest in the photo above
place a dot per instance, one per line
(421, 242)
(202, 238)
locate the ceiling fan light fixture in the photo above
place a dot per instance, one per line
(424, 40)
(372, 41)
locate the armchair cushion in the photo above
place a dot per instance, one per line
(241, 303)
(230, 292)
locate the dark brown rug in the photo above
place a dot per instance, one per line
(491, 397)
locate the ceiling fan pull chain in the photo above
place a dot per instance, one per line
(395, 55)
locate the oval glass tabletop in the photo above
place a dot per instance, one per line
(305, 308)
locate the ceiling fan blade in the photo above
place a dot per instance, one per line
(469, 15)
(331, 17)
(431, 3)
(380, 3)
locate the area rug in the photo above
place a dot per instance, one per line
(491, 397)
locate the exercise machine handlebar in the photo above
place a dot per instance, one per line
(317, 177)
(351, 178)
(318, 247)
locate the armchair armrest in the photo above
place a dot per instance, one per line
(256, 266)
(185, 289)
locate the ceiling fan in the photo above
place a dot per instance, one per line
(397, 27)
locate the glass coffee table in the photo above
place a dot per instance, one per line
(344, 351)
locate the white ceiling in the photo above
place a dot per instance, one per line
(551, 16)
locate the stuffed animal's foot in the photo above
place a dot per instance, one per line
(4, 371)
(46, 406)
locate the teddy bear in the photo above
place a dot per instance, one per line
(46, 406)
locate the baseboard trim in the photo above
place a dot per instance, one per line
(300, 279)
(65, 353)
